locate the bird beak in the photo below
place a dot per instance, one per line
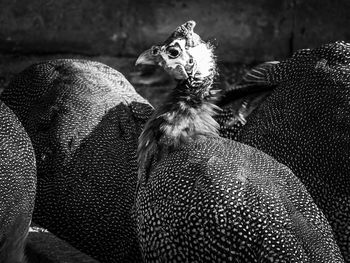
(147, 58)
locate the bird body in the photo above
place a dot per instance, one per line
(305, 124)
(84, 119)
(203, 198)
(17, 186)
(207, 203)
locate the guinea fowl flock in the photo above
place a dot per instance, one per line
(189, 181)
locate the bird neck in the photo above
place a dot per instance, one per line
(185, 116)
(192, 92)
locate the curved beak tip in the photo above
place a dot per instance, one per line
(146, 58)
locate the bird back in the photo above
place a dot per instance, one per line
(17, 186)
(305, 124)
(217, 200)
(84, 119)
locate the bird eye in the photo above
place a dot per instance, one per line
(173, 52)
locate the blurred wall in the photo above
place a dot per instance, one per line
(244, 30)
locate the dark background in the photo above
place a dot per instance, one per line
(116, 31)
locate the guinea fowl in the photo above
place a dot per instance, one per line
(84, 119)
(305, 124)
(17, 186)
(203, 198)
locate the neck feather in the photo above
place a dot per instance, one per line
(185, 116)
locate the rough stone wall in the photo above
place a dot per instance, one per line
(244, 30)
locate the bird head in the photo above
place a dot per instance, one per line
(183, 55)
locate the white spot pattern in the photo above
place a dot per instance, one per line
(84, 119)
(17, 186)
(305, 124)
(217, 200)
